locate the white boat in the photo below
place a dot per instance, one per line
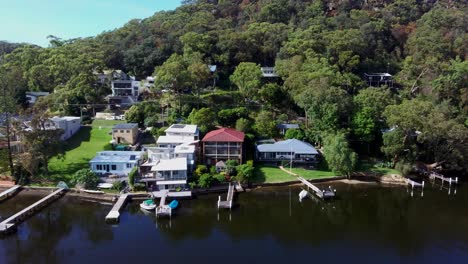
(93, 191)
(303, 194)
(104, 185)
(148, 205)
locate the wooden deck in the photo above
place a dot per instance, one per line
(181, 194)
(322, 194)
(10, 192)
(441, 177)
(163, 209)
(230, 196)
(114, 213)
(415, 184)
(11, 222)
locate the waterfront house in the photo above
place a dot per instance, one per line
(116, 162)
(292, 149)
(179, 134)
(170, 173)
(223, 144)
(125, 133)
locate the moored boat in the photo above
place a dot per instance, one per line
(148, 205)
(93, 191)
(173, 204)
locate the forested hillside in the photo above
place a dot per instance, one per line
(321, 50)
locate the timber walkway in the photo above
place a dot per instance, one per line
(11, 222)
(10, 192)
(435, 175)
(323, 194)
(230, 196)
(163, 208)
(114, 213)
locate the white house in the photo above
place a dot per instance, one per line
(170, 173)
(189, 131)
(32, 97)
(116, 162)
(69, 124)
(292, 149)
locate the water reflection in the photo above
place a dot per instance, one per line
(385, 224)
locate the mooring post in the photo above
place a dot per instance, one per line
(423, 184)
(456, 180)
(450, 181)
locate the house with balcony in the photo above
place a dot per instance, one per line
(125, 133)
(179, 134)
(269, 72)
(32, 97)
(292, 149)
(170, 174)
(222, 145)
(116, 162)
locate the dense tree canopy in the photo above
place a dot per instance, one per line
(320, 50)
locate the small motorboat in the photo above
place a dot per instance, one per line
(104, 185)
(93, 191)
(148, 205)
(173, 204)
(302, 195)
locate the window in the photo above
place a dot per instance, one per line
(114, 167)
(128, 131)
(99, 167)
(121, 131)
(129, 165)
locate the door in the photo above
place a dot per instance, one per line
(107, 167)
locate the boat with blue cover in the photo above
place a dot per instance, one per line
(174, 204)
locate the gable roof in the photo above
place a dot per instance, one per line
(294, 145)
(125, 126)
(224, 135)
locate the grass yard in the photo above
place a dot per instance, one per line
(373, 168)
(81, 148)
(272, 174)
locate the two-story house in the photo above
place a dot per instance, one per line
(125, 133)
(223, 144)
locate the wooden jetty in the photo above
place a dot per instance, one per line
(415, 184)
(435, 176)
(230, 196)
(114, 213)
(10, 192)
(323, 194)
(163, 208)
(11, 222)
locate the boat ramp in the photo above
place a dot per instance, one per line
(10, 192)
(114, 213)
(230, 196)
(11, 222)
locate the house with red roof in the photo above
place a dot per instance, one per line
(223, 144)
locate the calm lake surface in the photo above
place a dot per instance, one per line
(366, 224)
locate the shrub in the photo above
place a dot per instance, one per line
(231, 167)
(118, 185)
(245, 172)
(85, 178)
(201, 169)
(108, 146)
(139, 187)
(205, 181)
(131, 177)
(220, 178)
(213, 170)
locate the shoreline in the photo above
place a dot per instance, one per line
(110, 197)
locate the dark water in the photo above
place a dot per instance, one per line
(368, 224)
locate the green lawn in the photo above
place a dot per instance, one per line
(81, 148)
(369, 167)
(272, 174)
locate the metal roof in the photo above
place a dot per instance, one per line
(118, 156)
(294, 145)
(224, 135)
(176, 164)
(125, 126)
(182, 128)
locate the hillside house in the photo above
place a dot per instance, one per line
(125, 133)
(223, 144)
